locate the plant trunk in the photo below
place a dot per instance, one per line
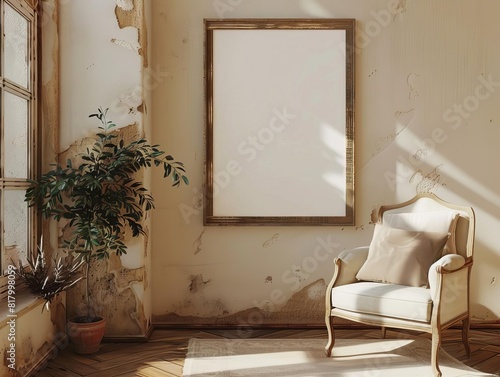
(87, 289)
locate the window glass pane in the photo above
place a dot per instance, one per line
(15, 136)
(16, 47)
(15, 231)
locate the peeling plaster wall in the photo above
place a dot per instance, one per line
(39, 336)
(427, 119)
(103, 56)
(95, 70)
(117, 286)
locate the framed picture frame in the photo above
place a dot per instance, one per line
(279, 102)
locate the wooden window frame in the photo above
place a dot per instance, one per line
(30, 10)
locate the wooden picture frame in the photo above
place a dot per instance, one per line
(279, 99)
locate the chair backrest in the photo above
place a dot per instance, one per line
(462, 235)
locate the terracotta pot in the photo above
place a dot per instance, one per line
(86, 336)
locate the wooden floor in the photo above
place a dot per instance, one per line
(164, 354)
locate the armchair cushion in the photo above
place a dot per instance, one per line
(388, 300)
(400, 256)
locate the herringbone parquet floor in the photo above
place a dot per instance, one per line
(165, 352)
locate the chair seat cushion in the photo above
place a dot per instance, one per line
(392, 300)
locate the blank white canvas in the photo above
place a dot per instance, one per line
(279, 123)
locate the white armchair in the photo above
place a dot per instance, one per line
(414, 275)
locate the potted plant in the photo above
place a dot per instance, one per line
(47, 281)
(100, 197)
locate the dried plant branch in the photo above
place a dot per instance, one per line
(46, 282)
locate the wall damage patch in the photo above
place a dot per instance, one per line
(126, 5)
(412, 83)
(131, 13)
(128, 102)
(110, 283)
(400, 8)
(125, 44)
(118, 304)
(271, 241)
(306, 306)
(403, 120)
(197, 283)
(429, 182)
(197, 244)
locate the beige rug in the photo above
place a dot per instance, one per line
(305, 357)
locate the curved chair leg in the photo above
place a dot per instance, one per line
(436, 344)
(331, 336)
(465, 336)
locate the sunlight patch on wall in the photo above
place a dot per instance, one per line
(453, 171)
(313, 8)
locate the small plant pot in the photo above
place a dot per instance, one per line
(86, 335)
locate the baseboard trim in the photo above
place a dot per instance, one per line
(343, 326)
(170, 326)
(130, 339)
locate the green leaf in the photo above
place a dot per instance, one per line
(101, 197)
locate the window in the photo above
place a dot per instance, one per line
(18, 113)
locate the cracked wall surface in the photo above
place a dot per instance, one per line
(305, 307)
(419, 127)
(40, 335)
(130, 13)
(100, 65)
(103, 66)
(417, 122)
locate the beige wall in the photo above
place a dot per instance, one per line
(427, 119)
